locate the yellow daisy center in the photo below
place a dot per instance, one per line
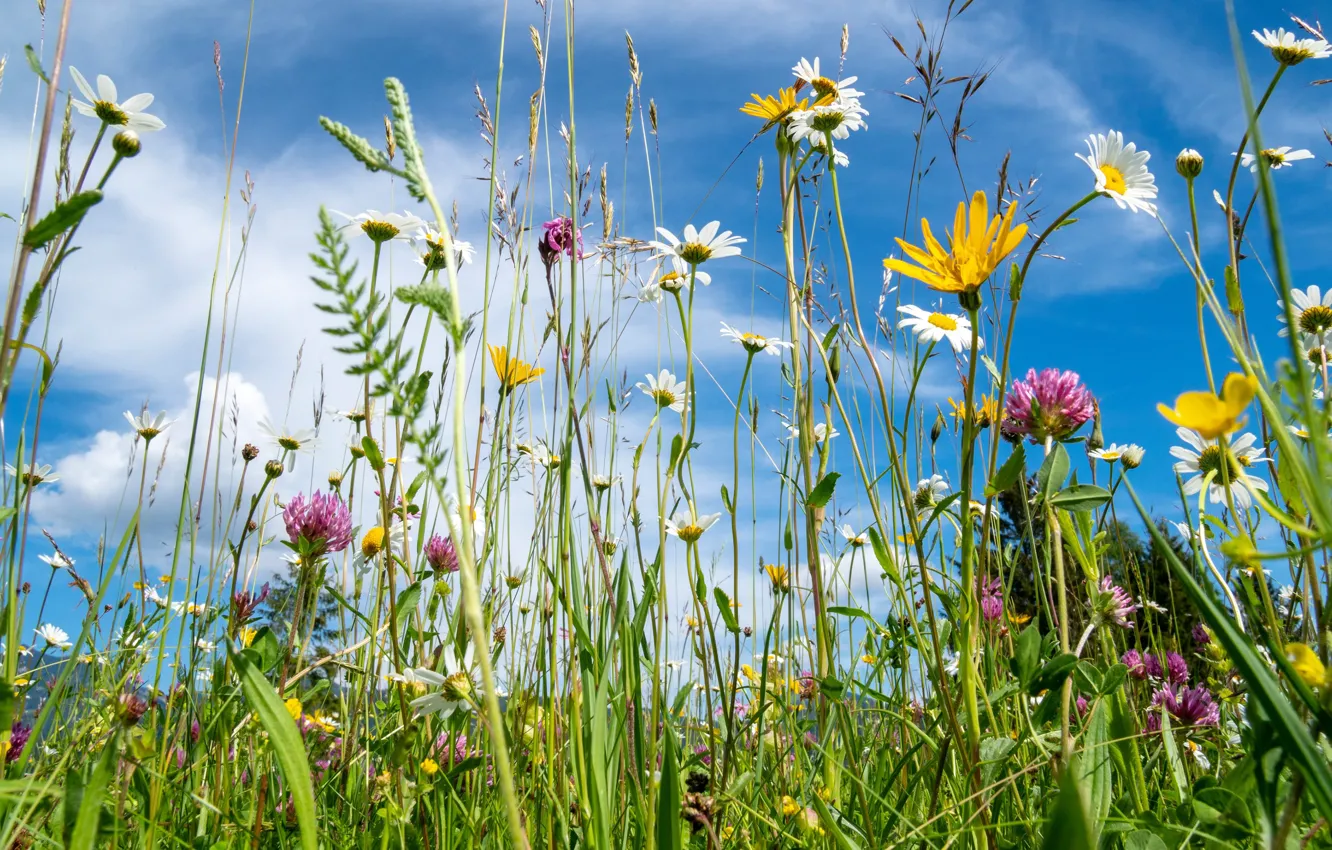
(690, 533)
(1114, 179)
(1316, 319)
(109, 112)
(694, 253)
(939, 320)
(665, 398)
(823, 86)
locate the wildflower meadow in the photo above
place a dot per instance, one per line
(666, 465)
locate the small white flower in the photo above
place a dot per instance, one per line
(855, 538)
(823, 86)
(384, 227)
(698, 246)
(205, 645)
(32, 475)
(1313, 313)
(755, 343)
(1153, 605)
(1198, 755)
(932, 327)
(1121, 172)
(104, 106)
(53, 636)
(1274, 158)
(930, 491)
(1116, 452)
(665, 390)
(430, 246)
(455, 685)
(822, 433)
(684, 526)
(146, 425)
(56, 561)
(478, 515)
(1206, 456)
(674, 664)
(291, 441)
(838, 118)
(1289, 50)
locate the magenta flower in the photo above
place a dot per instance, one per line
(992, 599)
(1153, 666)
(1051, 403)
(247, 603)
(1190, 707)
(441, 555)
(559, 237)
(1200, 635)
(322, 523)
(1114, 605)
(1137, 668)
(18, 739)
(1177, 669)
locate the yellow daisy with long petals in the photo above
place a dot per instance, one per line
(1209, 415)
(976, 247)
(774, 108)
(511, 371)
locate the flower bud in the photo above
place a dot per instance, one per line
(273, 468)
(1189, 163)
(126, 143)
(1131, 458)
(249, 452)
(335, 479)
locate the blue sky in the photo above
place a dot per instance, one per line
(1117, 310)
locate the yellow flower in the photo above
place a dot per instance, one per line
(748, 672)
(247, 634)
(512, 372)
(727, 832)
(976, 247)
(775, 109)
(21, 681)
(1211, 416)
(293, 708)
(868, 659)
(1306, 664)
(430, 767)
(789, 806)
(1018, 619)
(781, 580)
(372, 542)
(988, 410)
(323, 721)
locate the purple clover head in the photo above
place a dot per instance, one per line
(1176, 669)
(1153, 666)
(559, 237)
(441, 555)
(991, 599)
(1050, 403)
(318, 525)
(1201, 635)
(1133, 660)
(1114, 605)
(1189, 707)
(18, 739)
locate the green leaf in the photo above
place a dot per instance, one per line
(265, 648)
(883, 556)
(1026, 655)
(407, 599)
(66, 214)
(287, 744)
(1172, 757)
(727, 612)
(834, 828)
(432, 296)
(1080, 497)
(668, 796)
(1007, 475)
(1093, 768)
(823, 491)
(1053, 471)
(1141, 839)
(371, 449)
(991, 368)
(1067, 828)
(1053, 674)
(84, 834)
(1114, 677)
(35, 63)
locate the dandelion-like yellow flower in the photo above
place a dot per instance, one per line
(789, 805)
(976, 247)
(512, 372)
(868, 659)
(293, 708)
(247, 635)
(430, 767)
(774, 109)
(1307, 664)
(748, 673)
(780, 578)
(1018, 619)
(1209, 415)
(987, 411)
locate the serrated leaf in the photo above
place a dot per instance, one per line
(66, 214)
(823, 491)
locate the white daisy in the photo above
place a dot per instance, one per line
(456, 685)
(823, 86)
(930, 491)
(840, 159)
(952, 661)
(674, 664)
(1121, 171)
(105, 106)
(53, 636)
(478, 515)
(649, 293)
(1198, 755)
(755, 343)
(205, 645)
(677, 278)
(56, 561)
(1313, 312)
(822, 433)
(33, 475)
(430, 245)
(384, 227)
(855, 538)
(1115, 452)
(1289, 50)
(666, 390)
(698, 246)
(146, 425)
(838, 118)
(1206, 456)
(684, 526)
(1274, 157)
(932, 327)
(291, 441)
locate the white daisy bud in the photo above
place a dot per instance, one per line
(1189, 163)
